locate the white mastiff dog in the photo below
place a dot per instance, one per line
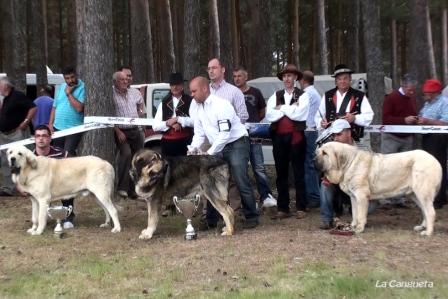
(364, 176)
(47, 180)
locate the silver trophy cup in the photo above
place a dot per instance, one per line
(187, 207)
(59, 213)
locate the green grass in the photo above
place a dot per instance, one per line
(119, 276)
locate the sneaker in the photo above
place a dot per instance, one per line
(123, 193)
(68, 225)
(269, 202)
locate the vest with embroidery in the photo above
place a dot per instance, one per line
(355, 98)
(181, 110)
(285, 124)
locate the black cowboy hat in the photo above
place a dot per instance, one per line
(176, 78)
(290, 69)
(341, 69)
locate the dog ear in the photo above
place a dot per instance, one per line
(31, 160)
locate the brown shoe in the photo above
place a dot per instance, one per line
(300, 214)
(281, 215)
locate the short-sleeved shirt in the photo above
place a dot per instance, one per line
(66, 115)
(55, 152)
(436, 109)
(254, 103)
(44, 105)
(126, 104)
(14, 110)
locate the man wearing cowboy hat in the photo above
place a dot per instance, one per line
(287, 110)
(344, 102)
(173, 119)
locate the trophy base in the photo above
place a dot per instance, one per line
(191, 237)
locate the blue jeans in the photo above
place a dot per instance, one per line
(237, 155)
(311, 177)
(327, 196)
(257, 163)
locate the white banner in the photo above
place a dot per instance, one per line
(118, 120)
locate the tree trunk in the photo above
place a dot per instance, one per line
(170, 39)
(322, 31)
(353, 51)
(98, 76)
(54, 32)
(445, 45)
(236, 32)
(418, 60)
(122, 44)
(36, 29)
(16, 51)
(374, 62)
(260, 53)
(430, 48)
(295, 33)
(192, 15)
(80, 40)
(225, 26)
(393, 48)
(141, 42)
(214, 23)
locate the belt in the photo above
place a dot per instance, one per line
(235, 141)
(256, 140)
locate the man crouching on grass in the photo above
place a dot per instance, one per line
(43, 147)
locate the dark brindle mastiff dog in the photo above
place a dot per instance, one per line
(158, 179)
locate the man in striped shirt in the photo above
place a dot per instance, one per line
(43, 147)
(129, 139)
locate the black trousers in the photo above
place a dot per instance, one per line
(436, 144)
(175, 147)
(285, 153)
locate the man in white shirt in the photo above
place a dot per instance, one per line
(173, 119)
(345, 102)
(287, 110)
(311, 177)
(215, 119)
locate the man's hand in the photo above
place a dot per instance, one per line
(177, 127)
(410, 120)
(325, 182)
(120, 135)
(324, 124)
(423, 121)
(69, 89)
(24, 124)
(350, 117)
(170, 122)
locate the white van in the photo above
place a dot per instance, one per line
(53, 79)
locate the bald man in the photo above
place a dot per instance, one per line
(215, 120)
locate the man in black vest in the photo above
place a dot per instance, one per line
(346, 103)
(287, 110)
(172, 118)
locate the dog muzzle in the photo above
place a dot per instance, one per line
(15, 170)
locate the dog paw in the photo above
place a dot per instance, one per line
(116, 230)
(105, 225)
(358, 229)
(425, 233)
(145, 235)
(36, 233)
(419, 228)
(31, 230)
(227, 232)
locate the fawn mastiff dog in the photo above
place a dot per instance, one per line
(46, 180)
(364, 176)
(158, 179)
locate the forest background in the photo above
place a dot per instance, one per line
(157, 37)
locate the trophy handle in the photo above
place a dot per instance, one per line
(176, 202)
(196, 201)
(70, 209)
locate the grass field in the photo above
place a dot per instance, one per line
(279, 259)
